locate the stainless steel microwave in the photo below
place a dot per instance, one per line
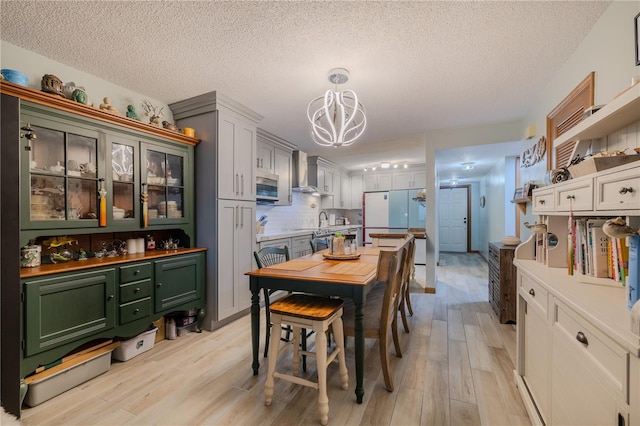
(266, 187)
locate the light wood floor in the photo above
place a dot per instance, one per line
(456, 370)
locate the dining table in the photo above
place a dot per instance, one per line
(317, 274)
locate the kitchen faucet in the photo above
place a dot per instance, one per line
(326, 218)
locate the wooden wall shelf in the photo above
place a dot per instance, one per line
(60, 103)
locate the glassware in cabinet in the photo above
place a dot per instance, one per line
(124, 173)
(164, 171)
(62, 172)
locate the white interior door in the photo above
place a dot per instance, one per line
(453, 205)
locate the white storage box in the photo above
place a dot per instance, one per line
(41, 390)
(135, 346)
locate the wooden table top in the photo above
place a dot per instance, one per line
(322, 272)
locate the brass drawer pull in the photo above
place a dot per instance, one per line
(541, 202)
(580, 337)
(624, 190)
(532, 292)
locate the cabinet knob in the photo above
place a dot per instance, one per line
(571, 197)
(110, 297)
(580, 337)
(159, 285)
(136, 310)
(137, 289)
(541, 202)
(136, 272)
(532, 292)
(624, 190)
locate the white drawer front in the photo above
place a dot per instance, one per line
(535, 295)
(543, 201)
(578, 196)
(610, 361)
(618, 191)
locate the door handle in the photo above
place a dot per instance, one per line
(236, 188)
(242, 184)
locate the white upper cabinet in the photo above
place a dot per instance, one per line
(409, 179)
(377, 182)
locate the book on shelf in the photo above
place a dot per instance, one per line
(592, 253)
(600, 244)
(633, 282)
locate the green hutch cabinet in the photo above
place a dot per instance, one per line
(78, 152)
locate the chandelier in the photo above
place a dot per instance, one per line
(337, 118)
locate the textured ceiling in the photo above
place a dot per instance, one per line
(416, 66)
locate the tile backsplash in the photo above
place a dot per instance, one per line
(302, 213)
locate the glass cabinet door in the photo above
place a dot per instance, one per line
(164, 174)
(124, 171)
(63, 177)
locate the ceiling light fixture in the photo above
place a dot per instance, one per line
(454, 182)
(468, 165)
(337, 118)
(385, 165)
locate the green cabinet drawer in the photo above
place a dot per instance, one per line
(135, 310)
(135, 272)
(135, 290)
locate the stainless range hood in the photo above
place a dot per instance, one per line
(300, 179)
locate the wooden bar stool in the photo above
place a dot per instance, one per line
(315, 313)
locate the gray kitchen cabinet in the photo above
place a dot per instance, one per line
(282, 152)
(236, 244)
(300, 246)
(225, 189)
(356, 191)
(265, 156)
(236, 150)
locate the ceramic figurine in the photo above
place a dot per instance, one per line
(131, 112)
(106, 106)
(169, 126)
(80, 96)
(617, 228)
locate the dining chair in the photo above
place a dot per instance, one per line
(404, 303)
(269, 256)
(381, 307)
(318, 244)
(304, 311)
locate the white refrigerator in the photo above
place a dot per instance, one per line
(393, 212)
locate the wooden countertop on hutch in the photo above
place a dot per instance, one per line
(77, 265)
(64, 104)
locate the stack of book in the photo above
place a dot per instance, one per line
(595, 254)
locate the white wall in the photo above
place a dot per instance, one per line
(446, 139)
(35, 66)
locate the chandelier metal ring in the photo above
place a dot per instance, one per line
(337, 118)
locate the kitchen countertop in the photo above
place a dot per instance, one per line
(274, 235)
